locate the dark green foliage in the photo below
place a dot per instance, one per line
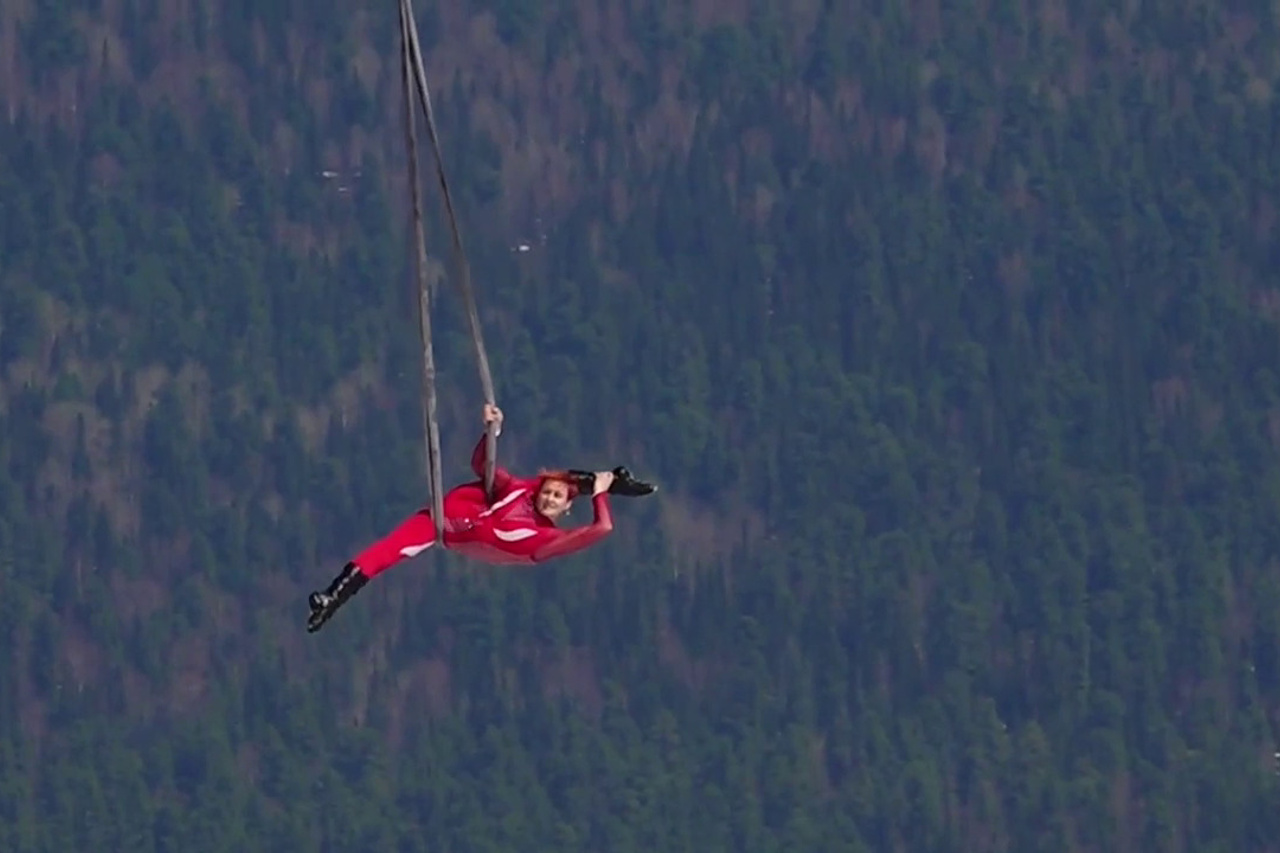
(983, 438)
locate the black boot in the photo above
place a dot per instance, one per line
(584, 480)
(324, 604)
(624, 483)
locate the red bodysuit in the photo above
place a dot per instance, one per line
(508, 532)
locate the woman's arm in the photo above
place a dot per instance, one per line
(580, 538)
(501, 476)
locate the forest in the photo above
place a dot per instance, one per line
(948, 330)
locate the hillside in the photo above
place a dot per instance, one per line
(950, 333)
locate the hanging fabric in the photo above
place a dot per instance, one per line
(414, 77)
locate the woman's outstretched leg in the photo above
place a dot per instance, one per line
(408, 539)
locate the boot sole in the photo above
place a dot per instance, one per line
(317, 620)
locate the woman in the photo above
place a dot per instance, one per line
(518, 528)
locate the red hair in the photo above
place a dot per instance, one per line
(561, 477)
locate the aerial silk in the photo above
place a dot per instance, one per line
(414, 78)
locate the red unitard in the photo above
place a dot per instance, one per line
(508, 532)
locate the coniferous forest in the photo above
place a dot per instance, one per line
(948, 330)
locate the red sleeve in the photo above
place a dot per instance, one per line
(501, 476)
(572, 541)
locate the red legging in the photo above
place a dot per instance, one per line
(417, 533)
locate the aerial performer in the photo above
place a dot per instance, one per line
(517, 528)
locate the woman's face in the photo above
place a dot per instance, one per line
(553, 499)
